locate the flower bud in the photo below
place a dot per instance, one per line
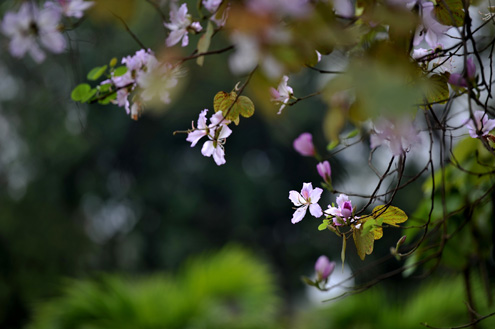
(304, 145)
(401, 242)
(323, 268)
(324, 171)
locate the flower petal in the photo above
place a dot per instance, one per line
(315, 210)
(299, 214)
(296, 198)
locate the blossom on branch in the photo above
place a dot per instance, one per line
(180, 24)
(282, 94)
(217, 131)
(304, 145)
(31, 27)
(307, 198)
(343, 212)
(481, 126)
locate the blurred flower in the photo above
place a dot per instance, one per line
(430, 30)
(71, 8)
(282, 94)
(457, 79)
(30, 27)
(217, 132)
(482, 124)
(324, 171)
(180, 22)
(343, 210)
(304, 145)
(307, 198)
(323, 268)
(154, 79)
(212, 5)
(293, 8)
(399, 135)
(344, 8)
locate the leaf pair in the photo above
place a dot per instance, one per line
(371, 228)
(232, 106)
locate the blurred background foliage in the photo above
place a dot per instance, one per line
(110, 209)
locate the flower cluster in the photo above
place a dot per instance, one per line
(343, 214)
(217, 131)
(144, 71)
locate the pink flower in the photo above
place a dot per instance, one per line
(324, 171)
(323, 268)
(304, 145)
(457, 79)
(482, 124)
(307, 198)
(398, 135)
(282, 94)
(343, 211)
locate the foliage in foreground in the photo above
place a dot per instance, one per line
(229, 289)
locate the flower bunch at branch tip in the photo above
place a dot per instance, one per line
(217, 131)
(343, 214)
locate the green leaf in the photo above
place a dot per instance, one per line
(436, 89)
(333, 145)
(364, 243)
(450, 12)
(104, 88)
(204, 42)
(342, 253)
(89, 95)
(96, 73)
(108, 99)
(225, 102)
(353, 133)
(323, 226)
(389, 215)
(119, 71)
(80, 92)
(308, 281)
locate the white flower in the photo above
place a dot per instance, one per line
(307, 198)
(217, 132)
(282, 94)
(30, 27)
(71, 8)
(180, 21)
